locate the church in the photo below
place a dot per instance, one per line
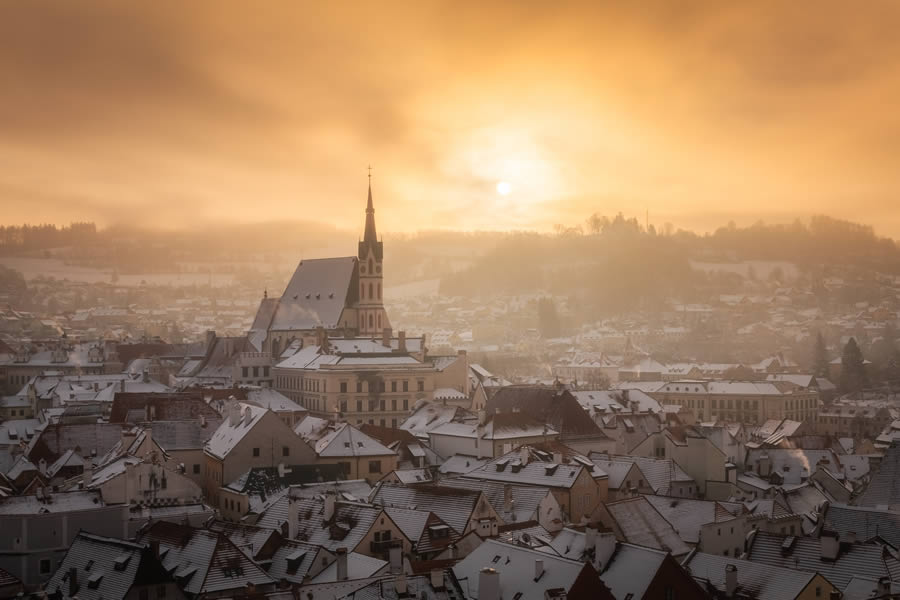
(341, 295)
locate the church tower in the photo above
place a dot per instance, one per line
(372, 316)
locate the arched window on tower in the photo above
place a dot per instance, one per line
(371, 294)
(362, 290)
(379, 320)
(371, 266)
(379, 291)
(371, 322)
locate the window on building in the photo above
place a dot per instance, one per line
(394, 423)
(374, 466)
(359, 406)
(256, 371)
(405, 404)
(393, 404)
(245, 372)
(256, 452)
(285, 451)
(45, 566)
(343, 387)
(405, 385)
(421, 385)
(393, 386)
(381, 422)
(359, 387)
(265, 371)
(343, 406)
(196, 469)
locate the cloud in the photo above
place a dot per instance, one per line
(177, 113)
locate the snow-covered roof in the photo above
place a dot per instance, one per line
(227, 436)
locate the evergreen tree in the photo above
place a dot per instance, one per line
(853, 369)
(820, 357)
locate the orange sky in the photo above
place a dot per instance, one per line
(171, 113)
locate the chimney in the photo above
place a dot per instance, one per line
(202, 420)
(147, 416)
(731, 582)
(329, 507)
(524, 455)
(145, 376)
(386, 336)
(401, 341)
(437, 579)
(234, 414)
(87, 473)
(400, 585)
(634, 406)
(829, 546)
(538, 568)
(293, 517)
(248, 416)
(489, 584)
(395, 554)
(342, 564)
(154, 547)
(508, 502)
(152, 412)
(73, 581)
(849, 537)
(42, 467)
(884, 586)
(210, 339)
(764, 465)
(482, 417)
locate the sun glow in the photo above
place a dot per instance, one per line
(504, 188)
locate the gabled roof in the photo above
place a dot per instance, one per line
(765, 582)
(805, 554)
(131, 407)
(642, 524)
(660, 473)
(525, 499)
(687, 515)
(345, 440)
(516, 568)
(316, 294)
(228, 436)
(556, 407)
(105, 568)
(454, 506)
(347, 528)
(866, 523)
(203, 561)
(884, 485)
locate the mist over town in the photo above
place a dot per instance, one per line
(449, 302)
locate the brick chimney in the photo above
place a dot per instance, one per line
(488, 584)
(73, 581)
(386, 335)
(731, 581)
(342, 564)
(401, 341)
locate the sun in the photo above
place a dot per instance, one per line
(503, 188)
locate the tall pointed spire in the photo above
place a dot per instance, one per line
(370, 236)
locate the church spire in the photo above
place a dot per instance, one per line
(370, 236)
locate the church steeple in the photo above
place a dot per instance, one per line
(370, 236)
(372, 317)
